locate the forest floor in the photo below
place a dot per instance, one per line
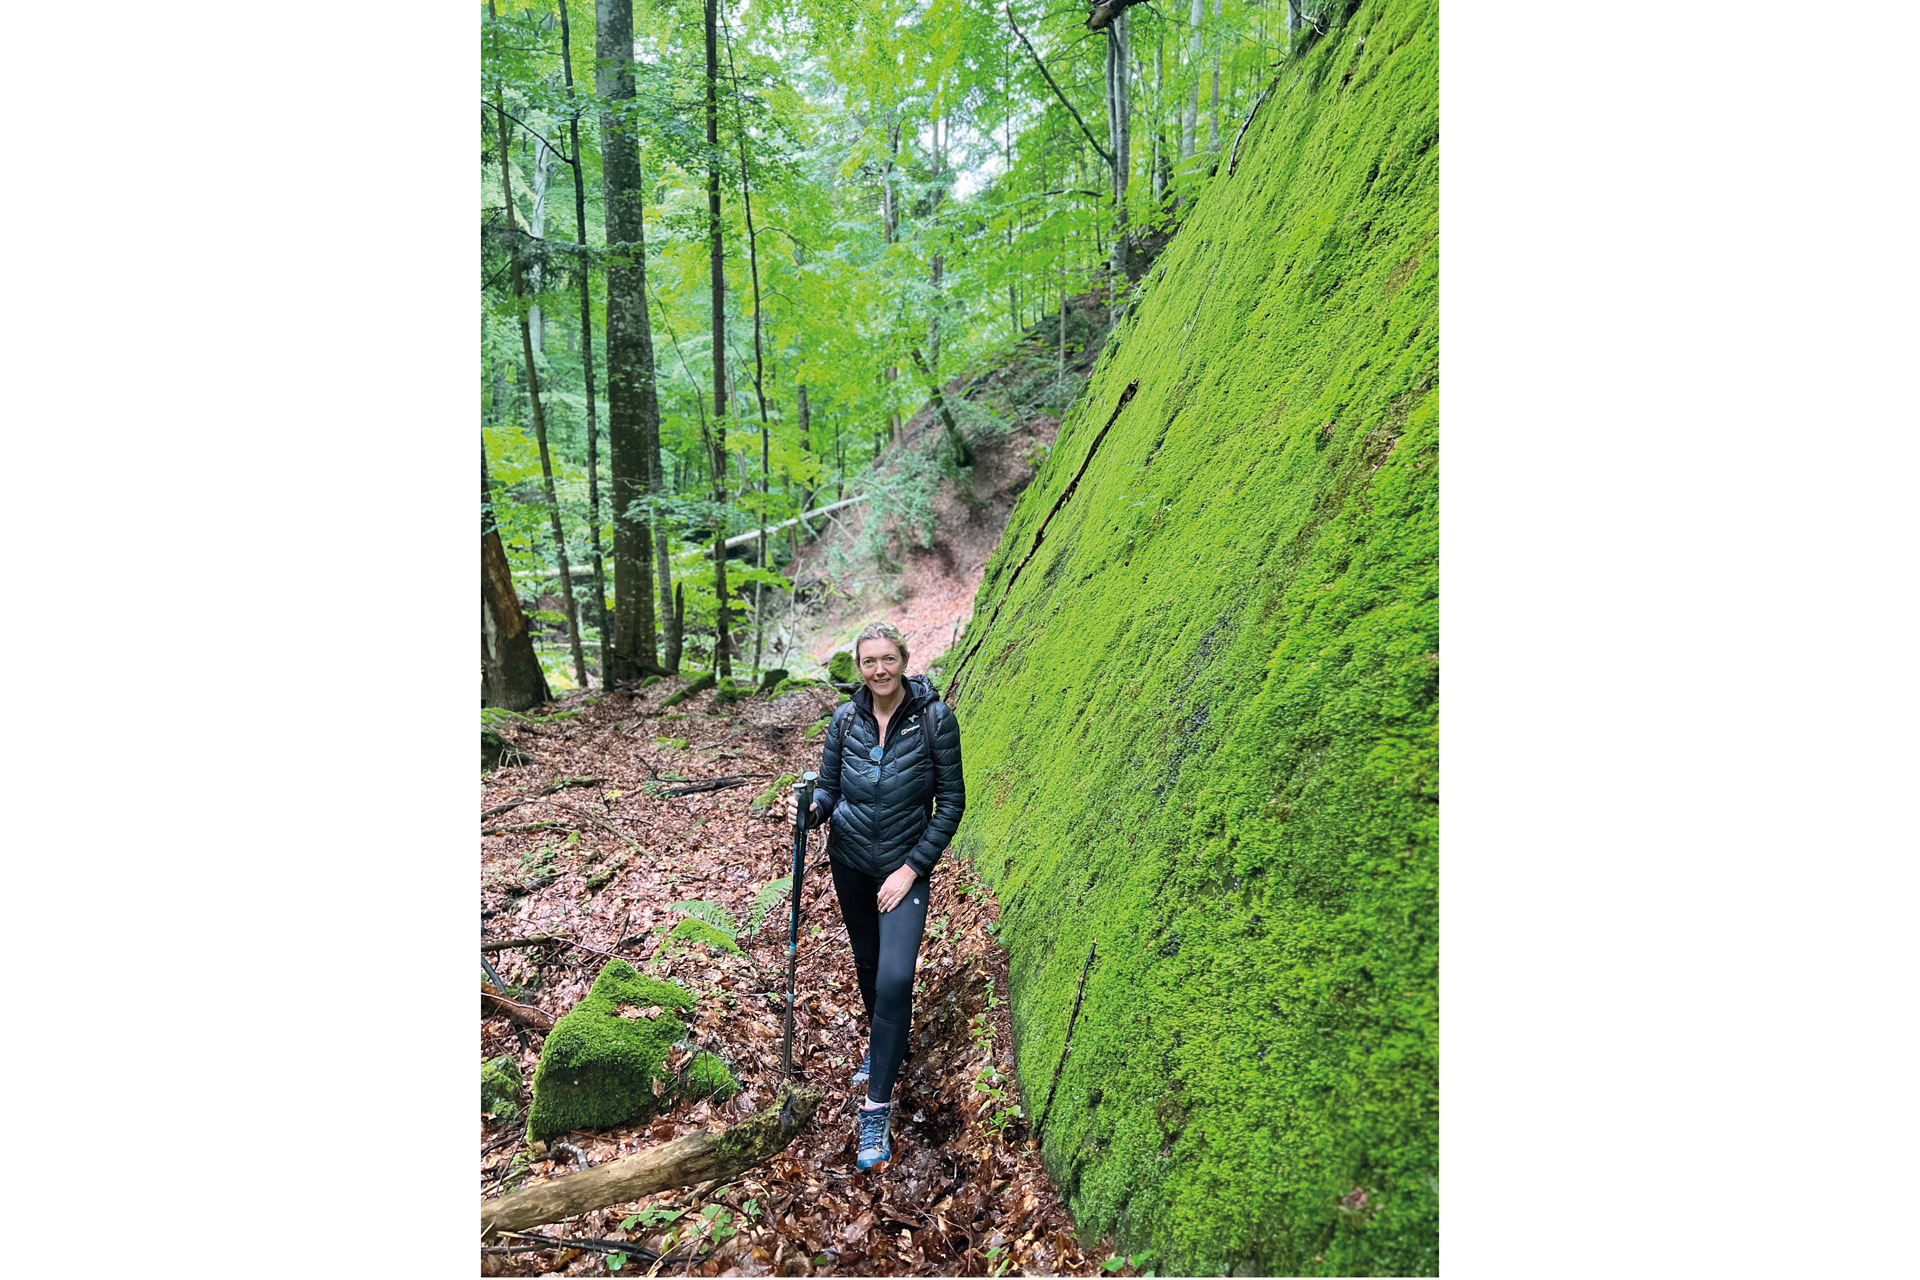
(965, 1193)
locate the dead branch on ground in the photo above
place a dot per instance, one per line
(682, 1162)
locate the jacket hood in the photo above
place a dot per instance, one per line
(919, 692)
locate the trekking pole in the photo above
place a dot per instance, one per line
(804, 796)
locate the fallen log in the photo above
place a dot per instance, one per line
(682, 1162)
(493, 1003)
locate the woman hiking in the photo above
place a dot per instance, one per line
(890, 787)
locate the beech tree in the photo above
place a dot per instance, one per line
(633, 409)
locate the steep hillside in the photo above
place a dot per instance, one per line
(1200, 696)
(914, 553)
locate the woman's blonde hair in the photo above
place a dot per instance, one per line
(882, 631)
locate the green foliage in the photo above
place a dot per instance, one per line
(840, 666)
(711, 913)
(1202, 720)
(500, 1088)
(764, 901)
(597, 1068)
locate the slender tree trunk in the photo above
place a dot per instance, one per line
(539, 415)
(586, 353)
(633, 409)
(759, 358)
(537, 228)
(890, 232)
(722, 658)
(939, 262)
(1293, 22)
(1119, 107)
(1190, 115)
(1213, 126)
(510, 674)
(1159, 177)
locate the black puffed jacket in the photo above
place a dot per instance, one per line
(910, 814)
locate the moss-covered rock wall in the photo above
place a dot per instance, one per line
(1201, 707)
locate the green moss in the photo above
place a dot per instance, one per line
(1202, 721)
(732, 691)
(603, 877)
(701, 685)
(792, 683)
(771, 677)
(707, 1077)
(691, 930)
(813, 730)
(500, 1088)
(771, 796)
(840, 667)
(598, 1068)
(649, 682)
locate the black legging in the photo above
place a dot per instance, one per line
(885, 947)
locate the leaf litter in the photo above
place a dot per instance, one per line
(964, 1195)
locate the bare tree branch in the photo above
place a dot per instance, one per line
(1104, 153)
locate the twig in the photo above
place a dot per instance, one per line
(509, 944)
(525, 826)
(561, 785)
(1047, 1107)
(1233, 157)
(555, 1242)
(717, 784)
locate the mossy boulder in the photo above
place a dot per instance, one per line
(691, 930)
(707, 1077)
(1203, 710)
(500, 1088)
(840, 667)
(772, 676)
(601, 1062)
(731, 691)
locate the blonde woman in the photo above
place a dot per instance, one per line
(891, 790)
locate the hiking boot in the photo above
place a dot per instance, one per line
(876, 1142)
(866, 1069)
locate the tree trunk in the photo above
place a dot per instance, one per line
(510, 674)
(676, 624)
(1213, 125)
(633, 411)
(722, 658)
(1119, 108)
(1190, 111)
(759, 359)
(586, 356)
(698, 1157)
(539, 415)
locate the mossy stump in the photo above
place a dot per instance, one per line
(601, 1062)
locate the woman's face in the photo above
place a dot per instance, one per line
(879, 664)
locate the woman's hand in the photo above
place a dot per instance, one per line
(896, 886)
(793, 803)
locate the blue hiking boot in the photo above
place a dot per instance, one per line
(866, 1069)
(876, 1142)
